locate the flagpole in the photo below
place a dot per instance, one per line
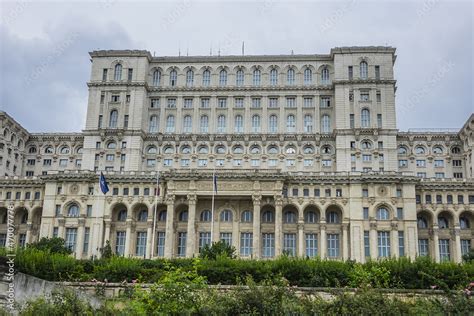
(212, 207)
(154, 214)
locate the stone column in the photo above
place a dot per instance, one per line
(169, 237)
(107, 231)
(394, 241)
(301, 251)
(323, 238)
(256, 249)
(436, 243)
(128, 238)
(61, 230)
(457, 239)
(29, 226)
(149, 238)
(80, 238)
(191, 233)
(373, 240)
(345, 241)
(278, 225)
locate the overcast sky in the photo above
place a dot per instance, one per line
(44, 61)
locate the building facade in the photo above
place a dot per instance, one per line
(305, 148)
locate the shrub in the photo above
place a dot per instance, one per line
(52, 245)
(217, 249)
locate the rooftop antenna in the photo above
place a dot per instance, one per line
(219, 50)
(187, 51)
(243, 48)
(179, 49)
(154, 53)
(292, 53)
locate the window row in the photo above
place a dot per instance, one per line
(422, 150)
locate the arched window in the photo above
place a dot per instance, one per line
(122, 216)
(325, 124)
(437, 150)
(308, 76)
(273, 77)
(187, 124)
(73, 211)
(24, 218)
(113, 119)
(189, 78)
(183, 216)
(273, 124)
(256, 77)
(118, 72)
(255, 150)
(333, 217)
(153, 127)
(173, 78)
(422, 222)
(170, 124)
(402, 150)
(326, 150)
(289, 217)
(205, 216)
(290, 150)
(290, 76)
(456, 150)
(223, 78)
(308, 150)
(221, 125)
(443, 222)
(226, 216)
(272, 150)
(290, 123)
(325, 76)
(363, 70)
(239, 124)
(464, 223)
(79, 150)
(310, 217)
(151, 150)
(420, 150)
(383, 214)
(239, 78)
(366, 144)
(206, 78)
(162, 216)
(156, 78)
(308, 123)
(168, 150)
(203, 150)
(32, 150)
(365, 118)
(238, 150)
(142, 216)
(204, 124)
(255, 123)
(267, 217)
(64, 150)
(48, 150)
(185, 149)
(111, 145)
(220, 149)
(246, 217)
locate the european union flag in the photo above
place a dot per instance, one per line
(104, 187)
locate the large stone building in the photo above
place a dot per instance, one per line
(305, 148)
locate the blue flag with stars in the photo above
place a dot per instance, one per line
(104, 187)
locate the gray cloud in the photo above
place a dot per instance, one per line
(44, 62)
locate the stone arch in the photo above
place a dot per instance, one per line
(337, 209)
(384, 205)
(289, 209)
(117, 208)
(21, 215)
(137, 209)
(307, 217)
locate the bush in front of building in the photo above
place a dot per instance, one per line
(52, 245)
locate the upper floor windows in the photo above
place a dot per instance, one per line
(206, 78)
(363, 70)
(170, 124)
(173, 78)
(156, 78)
(113, 119)
(73, 211)
(365, 118)
(204, 124)
(223, 78)
(239, 78)
(239, 124)
(402, 150)
(437, 150)
(153, 127)
(290, 76)
(256, 77)
(273, 123)
(455, 150)
(273, 77)
(290, 123)
(325, 124)
(118, 72)
(325, 76)
(255, 124)
(187, 124)
(221, 124)
(308, 76)
(383, 214)
(420, 150)
(189, 78)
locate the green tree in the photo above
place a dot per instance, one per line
(51, 245)
(218, 249)
(106, 251)
(469, 257)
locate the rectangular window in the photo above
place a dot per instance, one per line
(246, 244)
(110, 157)
(160, 244)
(272, 162)
(120, 243)
(130, 74)
(71, 237)
(460, 199)
(428, 198)
(383, 242)
(255, 162)
(449, 199)
(399, 193)
(421, 163)
(104, 74)
(399, 213)
(202, 162)
(365, 192)
(439, 175)
(171, 103)
(273, 103)
(3, 240)
(308, 102)
(365, 212)
(55, 231)
(102, 98)
(237, 162)
(37, 195)
(188, 103)
(167, 162)
(47, 162)
(402, 163)
(439, 163)
(62, 162)
(421, 174)
(325, 102)
(326, 162)
(89, 211)
(222, 103)
(367, 243)
(239, 102)
(377, 72)
(185, 162)
(457, 175)
(122, 157)
(465, 246)
(290, 102)
(290, 162)
(351, 121)
(366, 158)
(182, 244)
(379, 96)
(423, 247)
(444, 253)
(256, 102)
(311, 245)
(204, 240)
(30, 162)
(150, 162)
(305, 192)
(57, 211)
(125, 191)
(457, 163)
(125, 121)
(401, 243)
(379, 120)
(226, 238)
(205, 103)
(333, 245)
(22, 240)
(85, 248)
(364, 96)
(353, 158)
(289, 244)
(268, 245)
(155, 103)
(308, 162)
(350, 72)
